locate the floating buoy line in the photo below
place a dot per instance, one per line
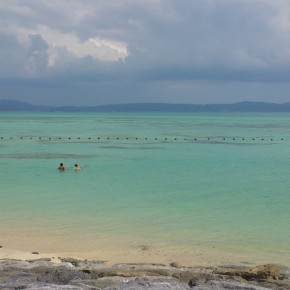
(163, 139)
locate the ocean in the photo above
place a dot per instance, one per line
(203, 187)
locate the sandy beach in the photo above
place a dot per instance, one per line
(144, 254)
(26, 245)
(140, 254)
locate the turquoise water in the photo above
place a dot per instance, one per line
(202, 181)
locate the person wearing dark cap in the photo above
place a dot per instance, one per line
(61, 167)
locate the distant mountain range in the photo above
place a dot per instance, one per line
(18, 106)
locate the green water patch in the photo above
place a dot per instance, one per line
(132, 147)
(45, 155)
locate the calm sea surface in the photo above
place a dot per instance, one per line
(215, 183)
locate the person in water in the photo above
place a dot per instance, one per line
(76, 167)
(61, 167)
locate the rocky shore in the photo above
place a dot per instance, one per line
(83, 274)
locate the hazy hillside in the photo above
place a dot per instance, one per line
(18, 106)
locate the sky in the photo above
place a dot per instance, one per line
(96, 52)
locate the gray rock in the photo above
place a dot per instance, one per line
(63, 275)
(39, 260)
(88, 275)
(101, 283)
(263, 272)
(220, 285)
(139, 284)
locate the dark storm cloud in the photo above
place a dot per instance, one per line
(157, 47)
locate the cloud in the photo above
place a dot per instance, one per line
(237, 35)
(54, 41)
(101, 49)
(11, 8)
(166, 42)
(62, 44)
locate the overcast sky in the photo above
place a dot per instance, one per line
(91, 52)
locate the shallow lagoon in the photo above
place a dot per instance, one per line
(209, 185)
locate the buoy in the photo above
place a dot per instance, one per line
(142, 138)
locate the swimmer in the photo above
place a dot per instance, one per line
(76, 167)
(61, 167)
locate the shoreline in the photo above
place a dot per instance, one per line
(19, 243)
(26, 256)
(132, 250)
(140, 255)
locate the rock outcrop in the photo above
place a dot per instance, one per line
(83, 274)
